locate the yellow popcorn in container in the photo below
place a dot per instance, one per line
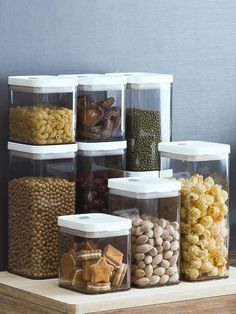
(202, 168)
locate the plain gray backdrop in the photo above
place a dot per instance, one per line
(195, 40)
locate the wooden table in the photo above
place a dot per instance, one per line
(19, 295)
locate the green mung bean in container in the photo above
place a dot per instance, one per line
(148, 119)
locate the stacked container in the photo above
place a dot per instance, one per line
(100, 136)
(203, 170)
(153, 206)
(94, 251)
(41, 170)
(148, 120)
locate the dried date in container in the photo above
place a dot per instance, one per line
(148, 119)
(94, 253)
(41, 188)
(96, 163)
(100, 108)
(203, 169)
(153, 206)
(42, 109)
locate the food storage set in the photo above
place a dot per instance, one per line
(87, 157)
(153, 206)
(94, 253)
(203, 170)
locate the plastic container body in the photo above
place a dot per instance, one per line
(148, 119)
(94, 262)
(100, 108)
(155, 234)
(204, 211)
(39, 191)
(94, 168)
(42, 112)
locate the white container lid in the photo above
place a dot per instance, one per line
(191, 149)
(102, 146)
(95, 223)
(44, 151)
(104, 80)
(149, 78)
(42, 81)
(80, 75)
(154, 173)
(144, 187)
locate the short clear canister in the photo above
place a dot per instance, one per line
(100, 107)
(42, 109)
(96, 163)
(94, 252)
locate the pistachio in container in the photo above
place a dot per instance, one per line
(42, 109)
(100, 107)
(153, 206)
(203, 170)
(94, 253)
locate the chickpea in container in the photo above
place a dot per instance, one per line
(203, 170)
(41, 187)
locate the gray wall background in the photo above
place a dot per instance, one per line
(194, 40)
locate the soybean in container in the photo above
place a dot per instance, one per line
(148, 119)
(153, 206)
(202, 168)
(42, 109)
(41, 187)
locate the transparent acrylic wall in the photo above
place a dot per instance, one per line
(148, 121)
(204, 217)
(100, 114)
(75, 271)
(38, 192)
(42, 116)
(155, 238)
(93, 172)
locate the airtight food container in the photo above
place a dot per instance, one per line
(96, 163)
(203, 170)
(153, 206)
(42, 109)
(41, 187)
(148, 119)
(94, 253)
(100, 107)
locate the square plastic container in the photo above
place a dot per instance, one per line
(96, 163)
(153, 206)
(42, 109)
(94, 252)
(203, 170)
(148, 119)
(41, 188)
(100, 107)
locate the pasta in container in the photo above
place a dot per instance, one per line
(42, 109)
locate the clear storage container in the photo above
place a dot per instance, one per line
(94, 251)
(153, 206)
(42, 109)
(100, 108)
(202, 169)
(41, 188)
(148, 119)
(96, 163)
